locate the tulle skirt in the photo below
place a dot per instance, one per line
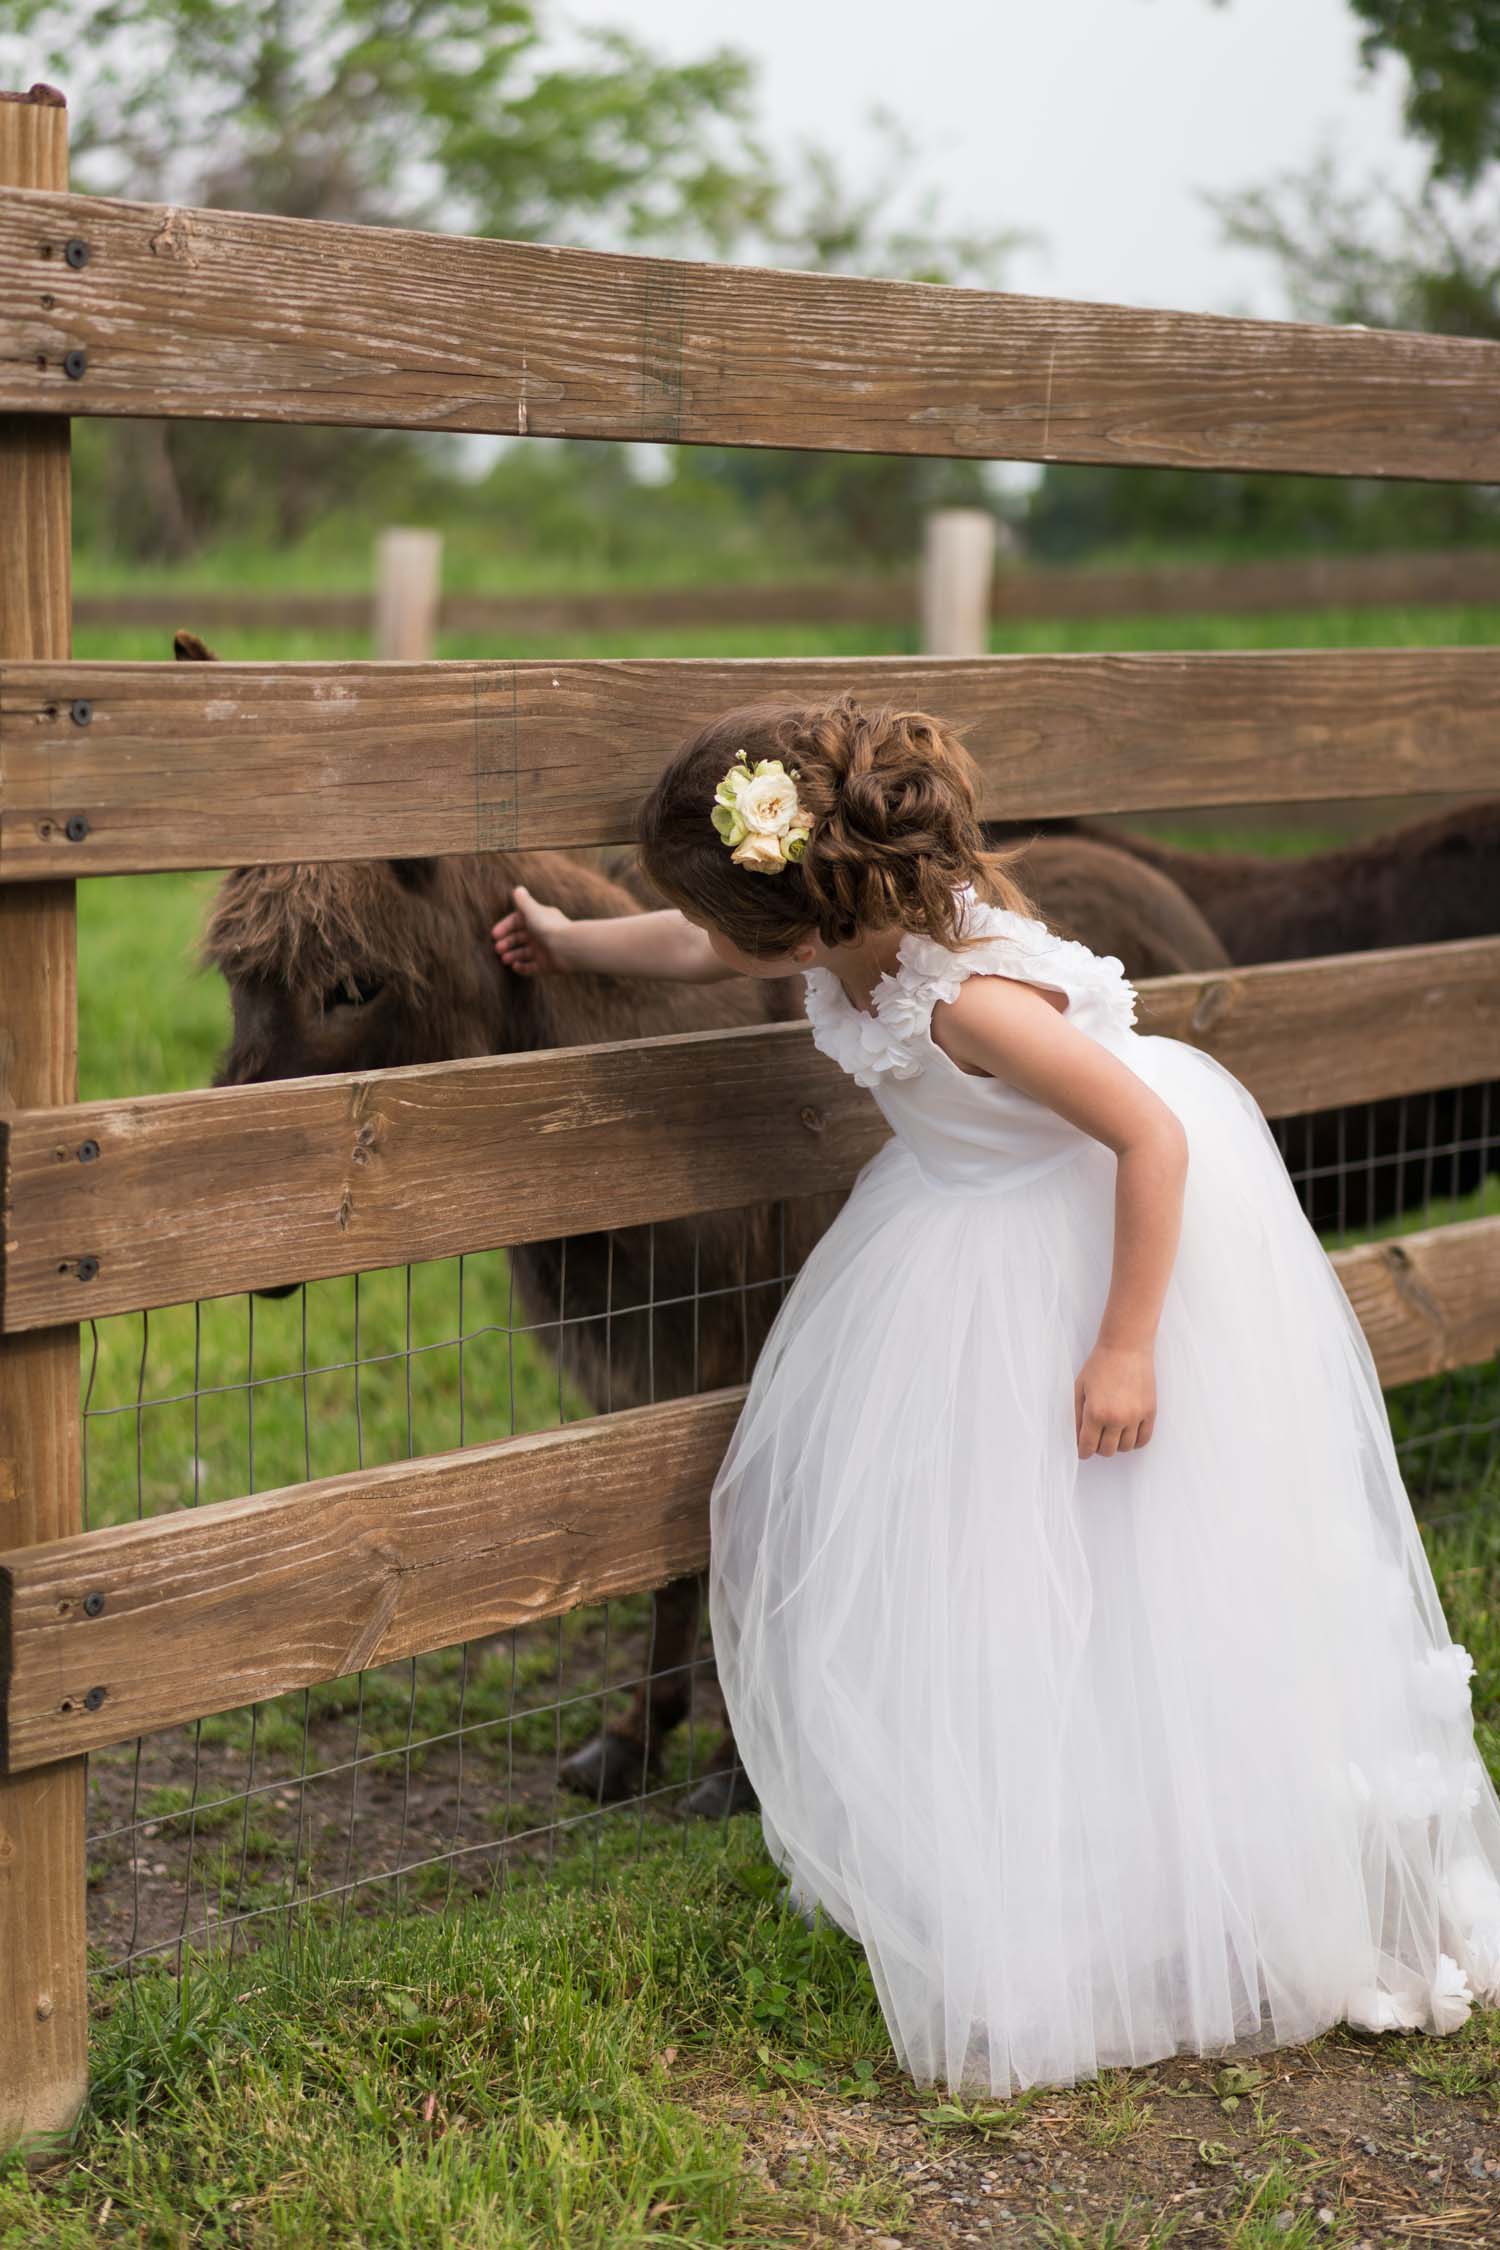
(1099, 1760)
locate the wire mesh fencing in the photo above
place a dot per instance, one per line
(577, 1740)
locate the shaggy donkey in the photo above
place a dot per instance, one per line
(359, 966)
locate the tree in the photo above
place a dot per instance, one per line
(1451, 49)
(464, 115)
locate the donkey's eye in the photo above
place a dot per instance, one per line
(354, 992)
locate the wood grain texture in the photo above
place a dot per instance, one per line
(204, 1194)
(215, 1607)
(1427, 1302)
(210, 1608)
(224, 314)
(188, 765)
(43, 1999)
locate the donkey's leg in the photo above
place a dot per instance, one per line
(626, 1755)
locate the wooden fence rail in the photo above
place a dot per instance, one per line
(229, 315)
(305, 1178)
(105, 769)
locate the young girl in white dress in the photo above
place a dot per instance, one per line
(1067, 1603)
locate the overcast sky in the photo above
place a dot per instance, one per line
(1091, 122)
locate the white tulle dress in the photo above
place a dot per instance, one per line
(1100, 1760)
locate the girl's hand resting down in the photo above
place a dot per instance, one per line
(1114, 1400)
(531, 937)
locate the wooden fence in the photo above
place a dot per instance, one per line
(118, 308)
(1467, 578)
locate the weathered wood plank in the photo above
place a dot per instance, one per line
(43, 1994)
(210, 1608)
(1427, 1302)
(226, 314)
(215, 1607)
(192, 765)
(202, 1194)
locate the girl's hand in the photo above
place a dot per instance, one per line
(1114, 1400)
(532, 938)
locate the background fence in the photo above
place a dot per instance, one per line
(361, 1563)
(406, 609)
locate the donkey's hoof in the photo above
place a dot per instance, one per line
(719, 1794)
(608, 1769)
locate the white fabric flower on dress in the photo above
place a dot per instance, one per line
(1372, 2009)
(1470, 1891)
(1471, 1898)
(1482, 1946)
(1443, 1678)
(1451, 1996)
(1420, 1786)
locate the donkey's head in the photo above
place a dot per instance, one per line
(351, 965)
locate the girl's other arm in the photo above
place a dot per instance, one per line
(1012, 1030)
(539, 940)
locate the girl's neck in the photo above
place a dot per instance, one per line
(859, 967)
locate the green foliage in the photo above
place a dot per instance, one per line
(1232, 516)
(1451, 49)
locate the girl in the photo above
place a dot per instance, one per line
(1067, 1603)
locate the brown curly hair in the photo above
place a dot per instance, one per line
(893, 804)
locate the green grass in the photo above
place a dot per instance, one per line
(477, 2078)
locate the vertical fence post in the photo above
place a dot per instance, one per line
(958, 570)
(43, 1996)
(408, 587)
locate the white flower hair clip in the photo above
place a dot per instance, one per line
(758, 813)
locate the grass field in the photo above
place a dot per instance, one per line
(633, 2044)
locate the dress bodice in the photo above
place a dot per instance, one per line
(964, 1130)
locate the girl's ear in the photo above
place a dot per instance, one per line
(804, 954)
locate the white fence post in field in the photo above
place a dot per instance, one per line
(958, 573)
(408, 587)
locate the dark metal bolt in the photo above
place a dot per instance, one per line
(94, 1698)
(93, 1605)
(88, 1269)
(76, 829)
(80, 711)
(75, 365)
(87, 1151)
(77, 253)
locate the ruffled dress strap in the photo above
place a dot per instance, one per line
(892, 1040)
(1099, 994)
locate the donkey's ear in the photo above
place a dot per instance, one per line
(414, 874)
(188, 649)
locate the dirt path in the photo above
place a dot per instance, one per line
(1343, 2142)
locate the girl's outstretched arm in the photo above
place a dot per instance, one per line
(1011, 1030)
(539, 940)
